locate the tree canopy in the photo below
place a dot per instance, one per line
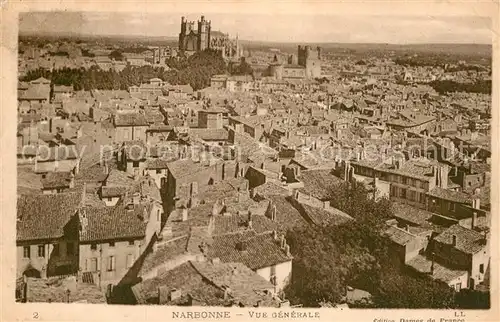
(195, 70)
(328, 259)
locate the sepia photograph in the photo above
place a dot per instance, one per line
(252, 160)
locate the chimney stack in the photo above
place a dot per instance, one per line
(184, 214)
(454, 240)
(473, 220)
(175, 294)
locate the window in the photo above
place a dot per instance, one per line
(111, 263)
(481, 268)
(41, 250)
(458, 286)
(422, 197)
(93, 264)
(93, 246)
(110, 199)
(131, 242)
(451, 206)
(158, 171)
(130, 260)
(403, 193)
(26, 252)
(135, 164)
(70, 249)
(55, 251)
(158, 215)
(111, 244)
(405, 180)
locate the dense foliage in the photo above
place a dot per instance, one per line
(195, 70)
(327, 259)
(447, 86)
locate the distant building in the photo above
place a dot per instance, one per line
(191, 40)
(306, 65)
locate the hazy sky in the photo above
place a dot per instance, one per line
(279, 28)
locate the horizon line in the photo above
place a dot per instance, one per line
(73, 34)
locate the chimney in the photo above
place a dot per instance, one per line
(249, 220)
(136, 198)
(407, 228)
(287, 250)
(326, 204)
(68, 292)
(184, 214)
(454, 240)
(473, 220)
(241, 246)
(275, 235)
(72, 181)
(175, 294)
(227, 292)
(432, 263)
(215, 260)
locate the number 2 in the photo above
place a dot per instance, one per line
(35, 315)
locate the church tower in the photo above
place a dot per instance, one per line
(203, 34)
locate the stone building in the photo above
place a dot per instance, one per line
(306, 65)
(193, 40)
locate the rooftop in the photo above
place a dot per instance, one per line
(55, 290)
(467, 240)
(261, 250)
(45, 216)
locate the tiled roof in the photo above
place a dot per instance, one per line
(468, 241)
(117, 222)
(225, 224)
(54, 290)
(261, 249)
(164, 253)
(111, 191)
(410, 214)
(54, 180)
(399, 235)
(119, 178)
(184, 278)
(36, 92)
(318, 183)
(247, 287)
(210, 134)
(450, 195)
(321, 217)
(286, 214)
(130, 119)
(423, 265)
(45, 216)
(156, 164)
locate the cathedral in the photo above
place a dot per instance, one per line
(193, 40)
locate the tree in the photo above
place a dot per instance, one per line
(327, 259)
(472, 299)
(116, 55)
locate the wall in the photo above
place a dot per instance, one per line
(462, 280)
(157, 176)
(121, 250)
(49, 264)
(52, 166)
(129, 133)
(112, 202)
(283, 274)
(481, 257)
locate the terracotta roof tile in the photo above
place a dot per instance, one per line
(261, 249)
(45, 216)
